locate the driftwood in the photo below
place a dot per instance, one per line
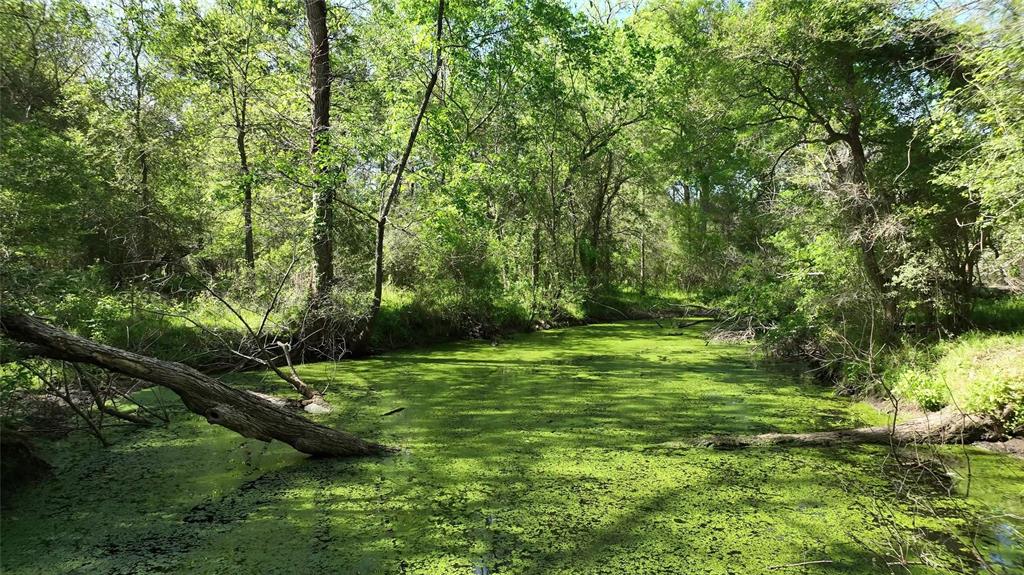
(1013, 446)
(314, 400)
(683, 325)
(947, 426)
(240, 411)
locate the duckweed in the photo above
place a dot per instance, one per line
(547, 453)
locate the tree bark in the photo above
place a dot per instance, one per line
(643, 263)
(704, 202)
(535, 260)
(240, 411)
(143, 252)
(590, 249)
(243, 169)
(856, 176)
(947, 426)
(323, 194)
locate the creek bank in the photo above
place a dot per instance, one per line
(412, 330)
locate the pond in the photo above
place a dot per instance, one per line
(554, 452)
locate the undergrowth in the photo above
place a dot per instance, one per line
(977, 372)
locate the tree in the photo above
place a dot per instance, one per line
(319, 141)
(49, 185)
(230, 46)
(388, 200)
(848, 85)
(980, 116)
(133, 26)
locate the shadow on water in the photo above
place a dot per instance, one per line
(535, 456)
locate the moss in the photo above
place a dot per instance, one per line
(546, 453)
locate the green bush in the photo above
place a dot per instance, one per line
(985, 374)
(978, 373)
(922, 388)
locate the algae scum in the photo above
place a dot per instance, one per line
(549, 453)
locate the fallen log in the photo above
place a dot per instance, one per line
(946, 426)
(1013, 446)
(696, 309)
(244, 413)
(684, 325)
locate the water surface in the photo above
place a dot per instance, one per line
(554, 452)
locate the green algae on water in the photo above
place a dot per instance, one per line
(544, 454)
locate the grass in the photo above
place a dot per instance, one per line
(202, 331)
(977, 372)
(406, 320)
(546, 453)
(1004, 314)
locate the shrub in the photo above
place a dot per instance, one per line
(986, 374)
(979, 373)
(922, 388)
(999, 314)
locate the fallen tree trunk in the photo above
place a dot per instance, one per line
(221, 404)
(698, 310)
(947, 426)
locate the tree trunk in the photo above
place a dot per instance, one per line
(947, 426)
(590, 250)
(643, 263)
(609, 233)
(240, 411)
(378, 283)
(704, 202)
(143, 251)
(323, 194)
(856, 177)
(243, 160)
(535, 263)
(879, 284)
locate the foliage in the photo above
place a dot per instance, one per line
(999, 314)
(985, 374)
(977, 373)
(837, 173)
(983, 115)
